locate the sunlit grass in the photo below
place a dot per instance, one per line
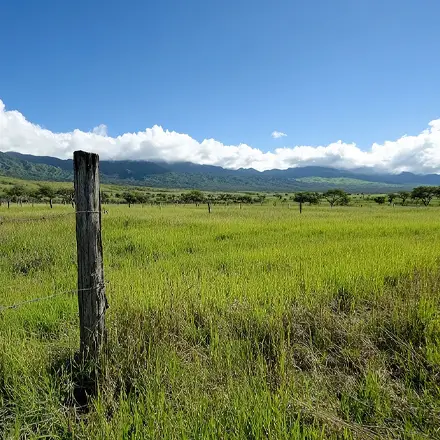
(246, 323)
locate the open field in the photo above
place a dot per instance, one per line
(245, 324)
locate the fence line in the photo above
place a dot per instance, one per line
(90, 278)
(44, 298)
(11, 219)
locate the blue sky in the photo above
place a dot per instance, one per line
(362, 71)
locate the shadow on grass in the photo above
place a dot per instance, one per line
(78, 381)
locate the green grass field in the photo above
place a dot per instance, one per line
(243, 324)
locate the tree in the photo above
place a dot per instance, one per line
(260, 198)
(424, 193)
(160, 198)
(303, 197)
(403, 195)
(171, 198)
(225, 197)
(46, 192)
(68, 195)
(194, 196)
(391, 197)
(105, 198)
(313, 198)
(16, 191)
(2, 197)
(336, 197)
(246, 198)
(129, 197)
(143, 198)
(380, 200)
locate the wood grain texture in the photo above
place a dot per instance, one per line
(92, 300)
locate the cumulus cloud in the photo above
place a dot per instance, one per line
(418, 153)
(100, 130)
(278, 134)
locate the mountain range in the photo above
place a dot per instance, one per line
(185, 175)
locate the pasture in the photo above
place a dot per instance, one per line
(240, 324)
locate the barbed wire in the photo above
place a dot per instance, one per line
(31, 219)
(11, 219)
(44, 298)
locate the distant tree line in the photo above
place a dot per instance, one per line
(45, 193)
(420, 194)
(42, 194)
(191, 197)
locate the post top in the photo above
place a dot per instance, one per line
(83, 158)
(84, 153)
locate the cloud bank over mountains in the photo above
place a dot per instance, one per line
(418, 153)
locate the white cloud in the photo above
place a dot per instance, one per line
(419, 153)
(101, 130)
(278, 134)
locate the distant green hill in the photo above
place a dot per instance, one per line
(16, 167)
(213, 178)
(345, 182)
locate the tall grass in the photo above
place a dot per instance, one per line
(252, 323)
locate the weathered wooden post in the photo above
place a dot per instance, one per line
(209, 207)
(92, 300)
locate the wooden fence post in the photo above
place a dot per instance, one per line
(92, 300)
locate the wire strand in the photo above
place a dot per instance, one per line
(44, 298)
(49, 217)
